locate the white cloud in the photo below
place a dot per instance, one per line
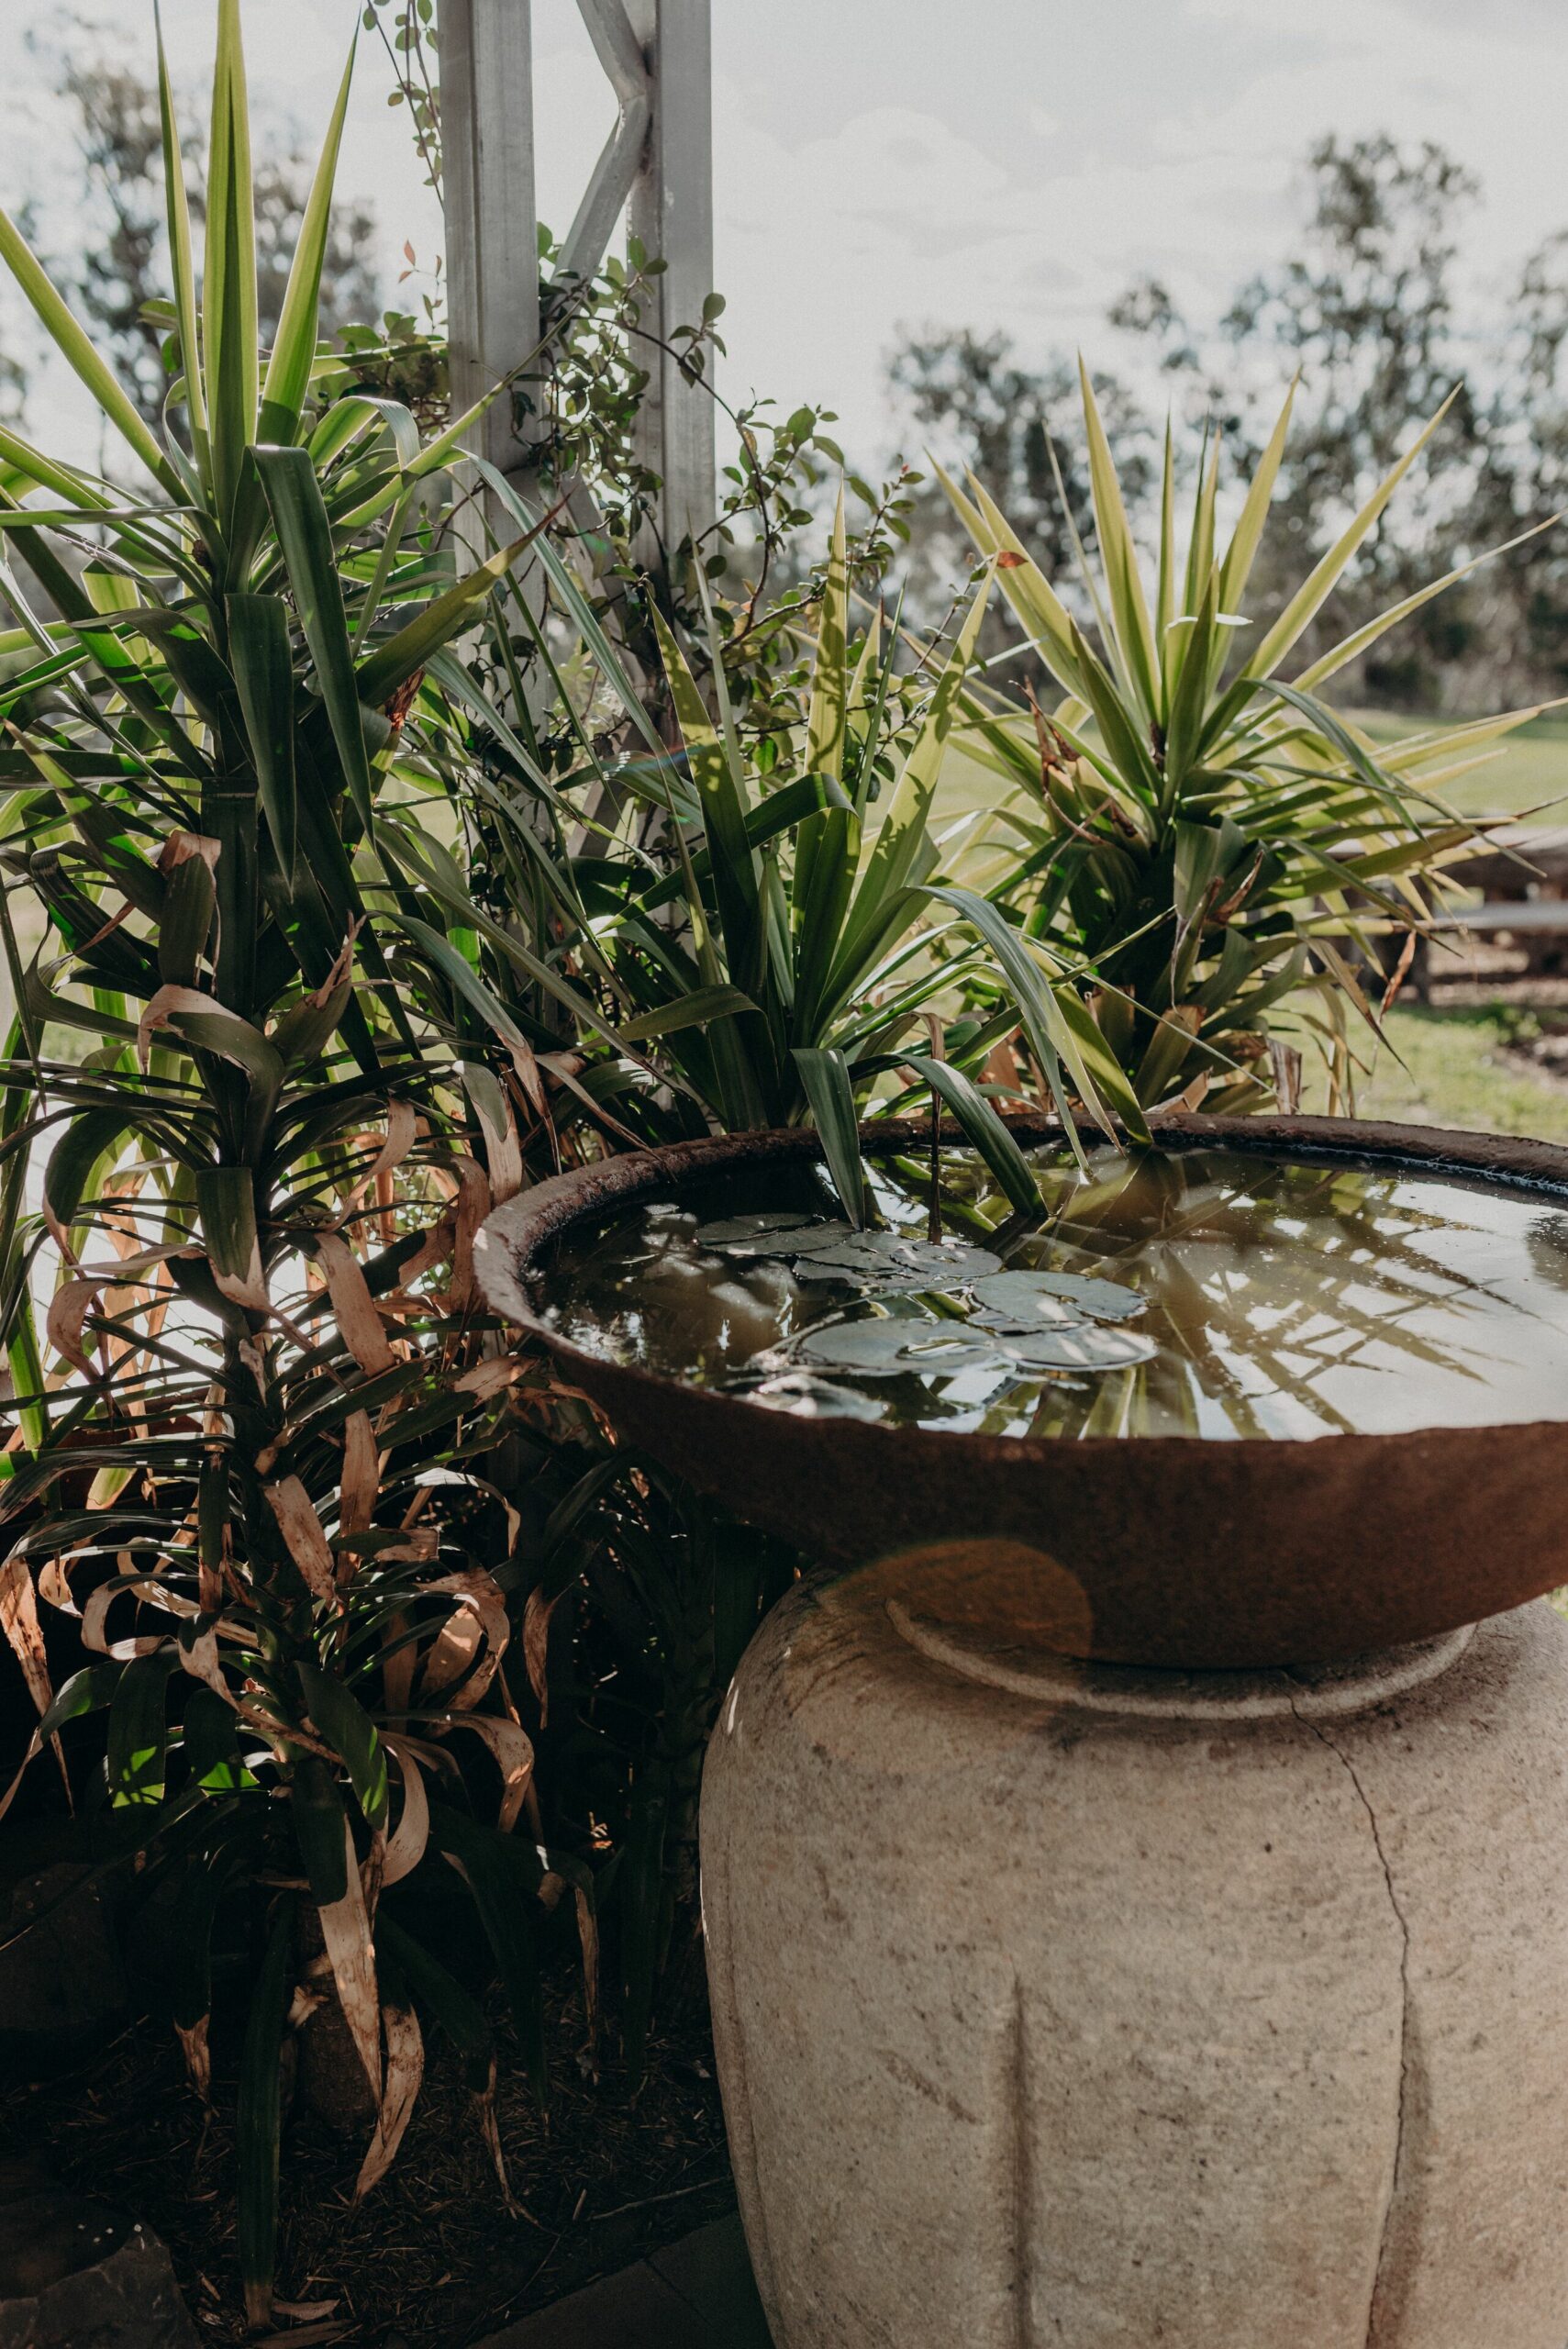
(887, 163)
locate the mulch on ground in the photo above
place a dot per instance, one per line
(432, 2258)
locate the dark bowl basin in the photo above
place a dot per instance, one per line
(1162, 1549)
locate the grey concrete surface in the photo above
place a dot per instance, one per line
(1058, 2004)
(697, 2295)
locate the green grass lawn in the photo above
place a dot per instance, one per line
(1530, 767)
(1453, 1074)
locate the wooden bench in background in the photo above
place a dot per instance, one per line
(1523, 880)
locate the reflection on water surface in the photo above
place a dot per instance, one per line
(1212, 1293)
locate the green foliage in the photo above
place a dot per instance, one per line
(1205, 837)
(759, 923)
(273, 1064)
(256, 1174)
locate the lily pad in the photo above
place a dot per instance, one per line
(736, 1228)
(773, 1235)
(1043, 1313)
(1023, 1295)
(883, 1285)
(888, 1348)
(1089, 1347)
(894, 1261)
(820, 1237)
(804, 1397)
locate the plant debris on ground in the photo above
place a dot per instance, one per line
(431, 2258)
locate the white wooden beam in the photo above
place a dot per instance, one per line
(487, 123)
(672, 215)
(604, 200)
(657, 55)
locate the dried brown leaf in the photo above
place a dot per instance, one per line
(197, 2054)
(433, 1249)
(472, 1207)
(399, 1663)
(402, 1129)
(1399, 975)
(536, 1646)
(94, 1623)
(353, 1307)
(490, 2127)
(588, 1936)
(1285, 1062)
(161, 1008)
(54, 1587)
(405, 2070)
(301, 1529)
(180, 847)
(513, 1748)
(502, 1151)
(480, 1614)
(361, 1483)
(200, 1660)
(72, 1300)
(20, 1621)
(491, 1378)
(453, 1655)
(406, 1845)
(419, 1548)
(346, 1930)
(24, 1632)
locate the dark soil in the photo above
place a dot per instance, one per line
(431, 2259)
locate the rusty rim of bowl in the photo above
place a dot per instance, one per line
(513, 1236)
(1165, 1551)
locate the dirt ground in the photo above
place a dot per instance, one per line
(432, 2259)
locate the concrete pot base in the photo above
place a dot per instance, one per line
(1059, 2003)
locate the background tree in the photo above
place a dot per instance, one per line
(1368, 309)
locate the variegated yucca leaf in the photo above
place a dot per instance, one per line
(1184, 743)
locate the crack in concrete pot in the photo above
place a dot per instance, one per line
(1399, 2220)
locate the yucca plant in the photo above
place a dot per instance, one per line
(774, 949)
(257, 1183)
(1196, 827)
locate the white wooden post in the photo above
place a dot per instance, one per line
(487, 129)
(657, 56)
(672, 215)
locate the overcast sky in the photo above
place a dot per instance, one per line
(1005, 163)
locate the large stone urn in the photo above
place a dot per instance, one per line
(1136, 1902)
(1071, 2004)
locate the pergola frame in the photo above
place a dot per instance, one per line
(657, 167)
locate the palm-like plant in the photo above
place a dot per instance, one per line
(224, 1425)
(767, 955)
(1201, 831)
